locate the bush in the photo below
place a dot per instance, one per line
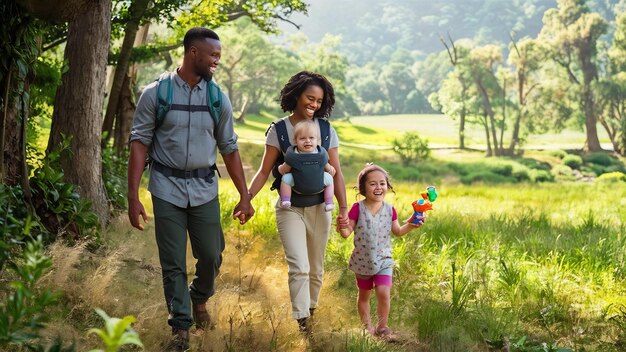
(535, 164)
(612, 177)
(521, 174)
(573, 161)
(558, 153)
(563, 173)
(23, 310)
(16, 223)
(59, 206)
(486, 177)
(114, 178)
(503, 169)
(411, 148)
(541, 176)
(596, 169)
(603, 159)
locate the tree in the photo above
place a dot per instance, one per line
(79, 102)
(397, 82)
(525, 57)
(612, 89)
(456, 54)
(17, 56)
(572, 32)
(253, 70)
(482, 64)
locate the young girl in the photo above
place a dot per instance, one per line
(372, 221)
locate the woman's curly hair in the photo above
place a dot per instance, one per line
(298, 83)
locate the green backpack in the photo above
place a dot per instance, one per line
(165, 94)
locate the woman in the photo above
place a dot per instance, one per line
(304, 230)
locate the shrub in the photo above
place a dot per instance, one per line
(612, 177)
(603, 159)
(613, 168)
(114, 178)
(503, 169)
(58, 204)
(411, 148)
(573, 161)
(563, 173)
(596, 169)
(486, 177)
(16, 223)
(23, 310)
(521, 174)
(541, 176)
(535, 164)
(558, 153)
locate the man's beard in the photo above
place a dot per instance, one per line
(207, 76)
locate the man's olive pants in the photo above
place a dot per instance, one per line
(207, 243)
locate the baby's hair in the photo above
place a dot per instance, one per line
(303, 126)
(360, 181)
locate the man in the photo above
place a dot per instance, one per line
(183, 150)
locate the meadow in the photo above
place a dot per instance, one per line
(525, 266)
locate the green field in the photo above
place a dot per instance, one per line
(440, 130)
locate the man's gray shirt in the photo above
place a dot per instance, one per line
(186, 141)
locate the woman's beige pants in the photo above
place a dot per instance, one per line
(304, 233)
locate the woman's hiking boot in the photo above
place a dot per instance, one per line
(304, 325)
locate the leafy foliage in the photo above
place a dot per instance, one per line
(59, 206)
(23, 307)
(411, 148)
(116, 333)
(115, 177)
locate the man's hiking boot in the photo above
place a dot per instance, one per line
(179, 341)
(201, 316)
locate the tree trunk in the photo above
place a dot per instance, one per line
(79, 102)
(127, 105)
(462, 114)
(486, 125)
(242, 113)
(13, 169)
(124, 116)
(137, 10)
(490, 122)
(521, 80)
(589, 74)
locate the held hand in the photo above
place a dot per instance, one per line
(284, 168)
(136, 209)
(243, 212)
(331, 170)
(343, 222)
(420, 221)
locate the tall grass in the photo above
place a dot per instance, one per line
(521, 265)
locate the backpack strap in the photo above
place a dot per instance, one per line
(283, 137)
(165, 94)
(324, 132)
(214, 100)
(164, 98)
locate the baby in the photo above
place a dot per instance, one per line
(306, 169)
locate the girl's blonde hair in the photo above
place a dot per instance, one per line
(360, 180)
(306, 125)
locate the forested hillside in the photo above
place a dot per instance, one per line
(373, 30)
